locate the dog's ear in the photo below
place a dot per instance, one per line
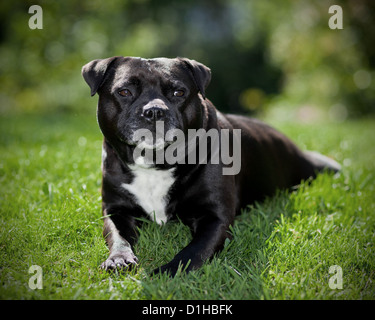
(201, 74)
(94, 71)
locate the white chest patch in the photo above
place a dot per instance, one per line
(150, 187)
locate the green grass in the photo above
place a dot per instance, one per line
(281, 249)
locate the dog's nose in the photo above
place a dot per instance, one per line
(154, 113)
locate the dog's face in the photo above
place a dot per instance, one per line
(136, 93)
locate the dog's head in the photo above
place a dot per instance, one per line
(136, 93)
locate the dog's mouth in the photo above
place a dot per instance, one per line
(147, 144)
(155, 139)
(158, 145)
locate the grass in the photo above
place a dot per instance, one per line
(281, 249)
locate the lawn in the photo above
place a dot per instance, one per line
(283, 248)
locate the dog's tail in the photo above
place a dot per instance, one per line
(321, 162)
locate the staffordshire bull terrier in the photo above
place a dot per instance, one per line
(169, 95)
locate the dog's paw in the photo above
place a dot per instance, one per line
(120, 261)
(171, 268)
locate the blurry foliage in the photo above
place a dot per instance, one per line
(264, 55)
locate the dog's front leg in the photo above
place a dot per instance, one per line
(208, 239)
(120, 241)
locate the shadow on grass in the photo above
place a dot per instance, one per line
(284, 236)
(237, 272)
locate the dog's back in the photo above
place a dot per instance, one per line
(271, 161)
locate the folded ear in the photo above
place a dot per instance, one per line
(201, 74)
(94, 71)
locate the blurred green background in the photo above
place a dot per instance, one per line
(277, 58)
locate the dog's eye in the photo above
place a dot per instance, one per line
(125, 93)
(179, 93)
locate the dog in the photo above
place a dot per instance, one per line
(136, 94)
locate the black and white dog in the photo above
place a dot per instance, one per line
(169, 94)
